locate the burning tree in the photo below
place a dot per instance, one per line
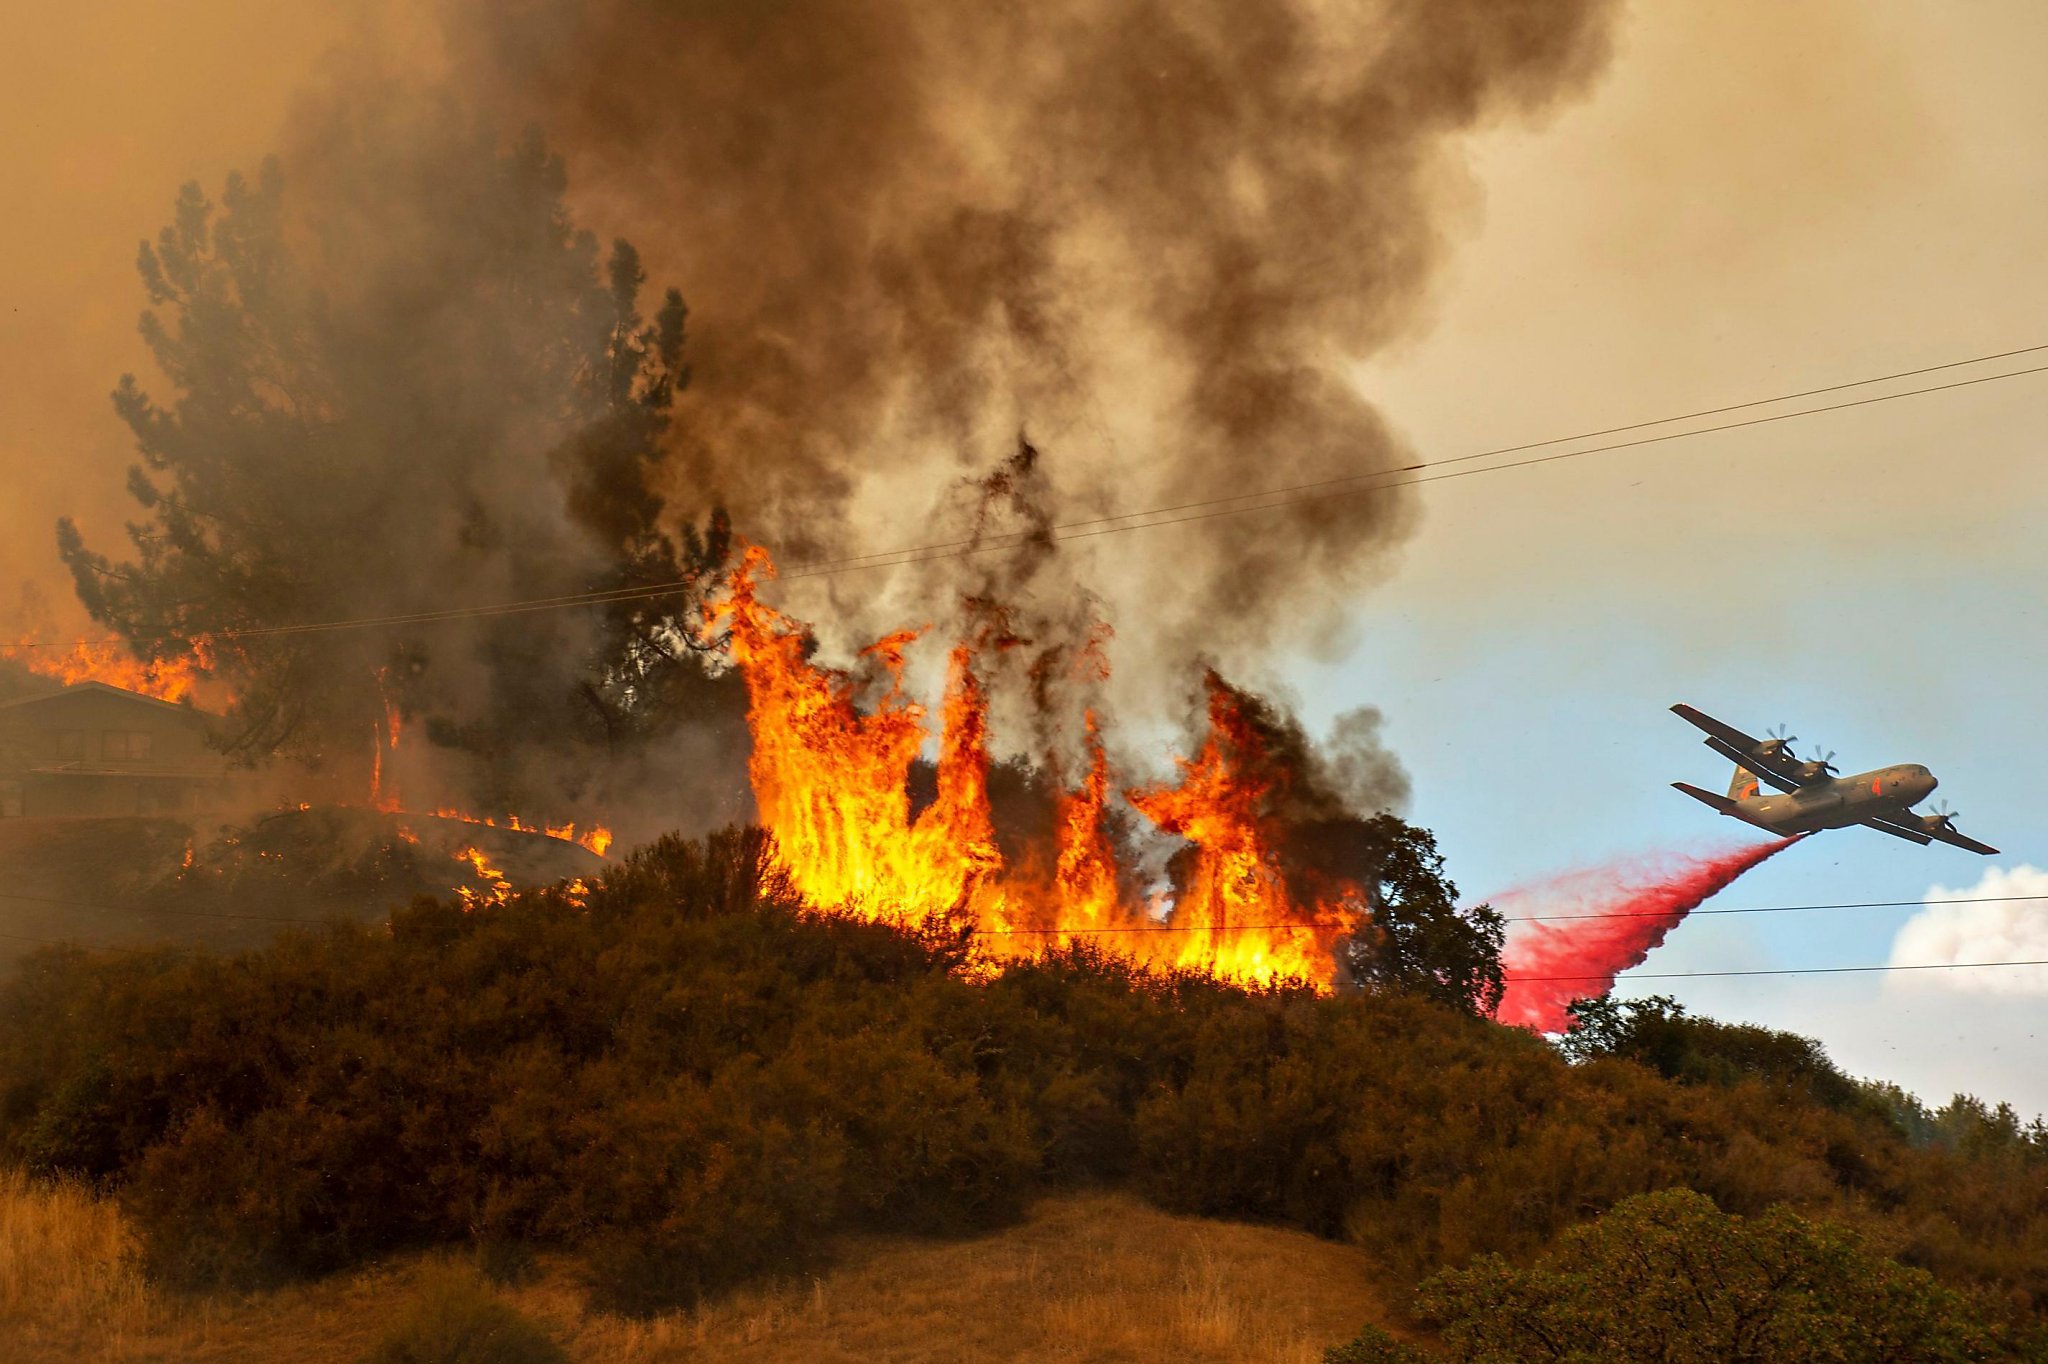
(404, 382)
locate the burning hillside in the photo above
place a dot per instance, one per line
(470, 501)
(832, 782)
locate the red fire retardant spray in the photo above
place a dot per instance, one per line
(1550, 963)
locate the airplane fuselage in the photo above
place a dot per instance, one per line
(1814, 798)
(1888, 792)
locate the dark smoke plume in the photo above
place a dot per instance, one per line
(1153, 235)
(398, 374)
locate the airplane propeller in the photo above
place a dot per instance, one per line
(1783, 739)
(1827, 763)
(1944, 816)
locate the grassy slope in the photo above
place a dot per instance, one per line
(1092, 1276)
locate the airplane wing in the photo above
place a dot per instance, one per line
(1919, 836)
(1731, 743)
(1924, 836)
(1964, 841)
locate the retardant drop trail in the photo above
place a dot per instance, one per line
(1550, 964)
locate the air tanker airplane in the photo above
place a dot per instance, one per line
(1814, 797)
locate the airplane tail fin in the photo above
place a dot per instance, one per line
(1725, 804)
(1744, 786)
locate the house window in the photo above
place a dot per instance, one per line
(70, 745)
(125, 745)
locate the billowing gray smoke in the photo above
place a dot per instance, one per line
(1151, 235)
(1146, 238)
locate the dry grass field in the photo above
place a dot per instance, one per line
(1086, 1278)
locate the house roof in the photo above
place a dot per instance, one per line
(80, 769)
(76, 688)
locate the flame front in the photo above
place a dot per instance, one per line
(829, 778)
(596, 838)
(85, 660)
(384, 793)
(830, 782)
(493, 886)
(1236, 891)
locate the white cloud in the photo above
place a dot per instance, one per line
(1992, 929)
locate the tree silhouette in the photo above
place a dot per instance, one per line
(414, 387)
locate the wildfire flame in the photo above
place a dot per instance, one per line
(384, 795)
(171, 679)
(596, 838)
(830, 783)
(494, 887)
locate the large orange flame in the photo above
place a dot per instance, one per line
(1236, 890)
(85, 660)
(830, 780)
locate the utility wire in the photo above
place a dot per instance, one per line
(1334, 492)
(1778, 909)
(1511, 979)
(1201, 510)
(151, 909)
(70, 942)
(1294, 925)
(1790, 971)
(1554, 440)
(1516, 918)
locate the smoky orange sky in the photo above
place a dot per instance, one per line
(1755, 197)
(107, 106)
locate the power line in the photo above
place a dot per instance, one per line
(1202, 510)
(71, 942)
(1561, 440)
(150, 909)
(1780, 909)
(1115, 929)
(1511, 979)
(1791, 971)
(1516, 918)
(1540, 459)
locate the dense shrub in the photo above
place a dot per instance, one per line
(1658, 1033)
(1669, 1277)
(1373, 1346)
(451, 1318)
(694, 1083)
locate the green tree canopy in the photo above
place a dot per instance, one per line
(1669, 1277)
(1424, 942)
(1658, 1033)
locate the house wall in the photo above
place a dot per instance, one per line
(88, 751)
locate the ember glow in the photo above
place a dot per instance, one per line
(830, 782)
(383, 746)
(492, 886)
(84, 660)
(384, 793)
(1628, 911)
(596, 838)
